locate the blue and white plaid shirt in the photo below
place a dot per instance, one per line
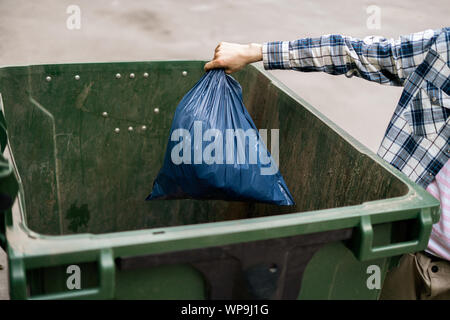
(417, 140)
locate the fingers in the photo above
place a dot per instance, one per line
(218, 47)
(217, 61)
(214, 64)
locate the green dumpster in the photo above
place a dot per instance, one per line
(84, 143)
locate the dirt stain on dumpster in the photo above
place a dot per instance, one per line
(78, 216)
(79, 102)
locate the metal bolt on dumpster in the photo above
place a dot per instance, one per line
(73, 191)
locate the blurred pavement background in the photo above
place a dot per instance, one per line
(35, 32)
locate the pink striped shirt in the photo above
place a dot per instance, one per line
(439, 243)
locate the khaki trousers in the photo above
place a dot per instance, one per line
(418, 276)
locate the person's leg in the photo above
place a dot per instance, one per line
(439, 273)
(418, 276)
(406, 281)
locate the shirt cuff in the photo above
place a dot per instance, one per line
(276, 55)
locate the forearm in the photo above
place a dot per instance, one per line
(254, 52)
(385, 61)
(336, 55)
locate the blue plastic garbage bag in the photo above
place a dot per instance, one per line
(215, 151)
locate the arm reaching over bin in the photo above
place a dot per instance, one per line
(386, 61)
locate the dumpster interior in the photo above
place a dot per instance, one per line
(88, 144)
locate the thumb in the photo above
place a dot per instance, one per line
(214, 64)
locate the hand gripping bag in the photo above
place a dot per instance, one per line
(215, 151)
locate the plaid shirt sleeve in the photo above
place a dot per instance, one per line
(417, 139)
(386, 61)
